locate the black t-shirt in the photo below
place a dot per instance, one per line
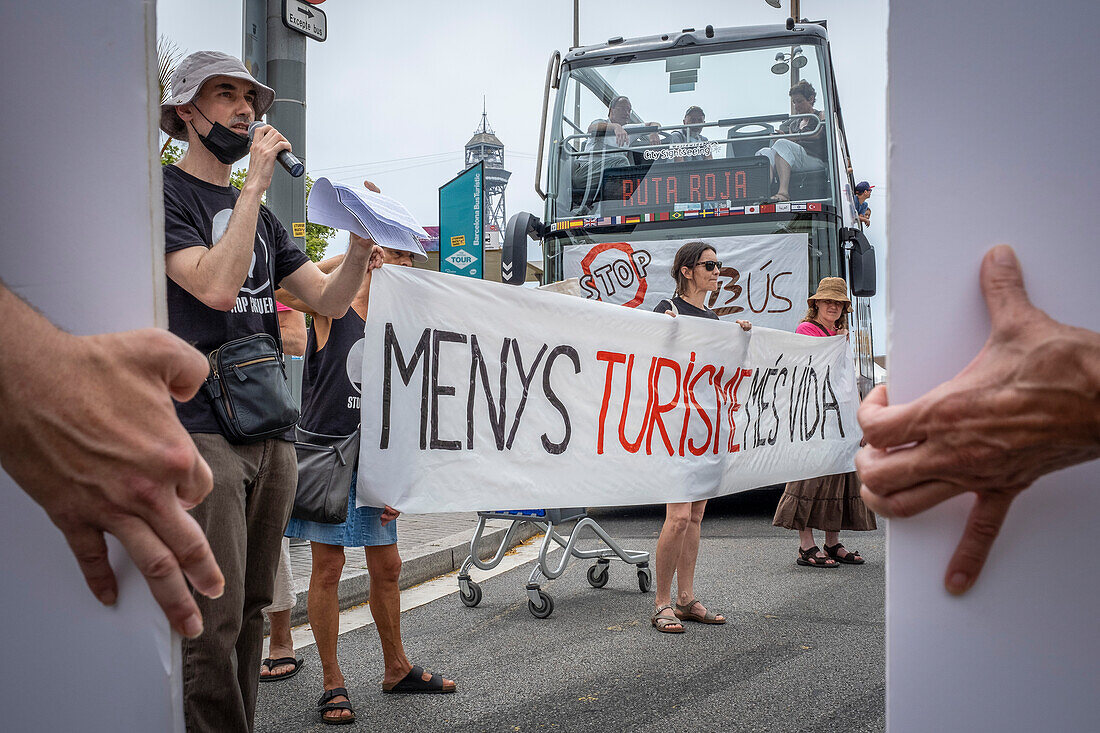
(196, 214)
(685, 308)
(331, 388)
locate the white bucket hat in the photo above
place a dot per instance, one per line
(196, 70)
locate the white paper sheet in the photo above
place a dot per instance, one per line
(366, 213)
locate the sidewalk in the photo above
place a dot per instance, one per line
(430, 545)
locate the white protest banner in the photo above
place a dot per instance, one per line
(763, 277)
(483, 396)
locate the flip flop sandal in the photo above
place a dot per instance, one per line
(683, 612)
(415, 684)
(271, 664)
(809, 559)
(325, 705)
(851, 558)
(662, 623)
(779, 198)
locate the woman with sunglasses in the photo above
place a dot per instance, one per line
(695, 269)
(829, 503)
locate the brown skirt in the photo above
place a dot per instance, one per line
(830, 503)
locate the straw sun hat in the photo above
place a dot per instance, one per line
(831, 288)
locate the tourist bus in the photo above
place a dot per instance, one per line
(690, 155)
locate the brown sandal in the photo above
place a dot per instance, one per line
(662, 623)
(710, 617)
(850, 557)
(810, 559)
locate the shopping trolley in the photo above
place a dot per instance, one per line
(539, 602)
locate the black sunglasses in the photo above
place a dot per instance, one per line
(710, 264)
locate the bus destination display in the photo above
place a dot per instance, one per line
(643, 189)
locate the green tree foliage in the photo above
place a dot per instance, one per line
(317, 236)
(171, 153)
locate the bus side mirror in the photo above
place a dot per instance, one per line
(513, 254)
(862, 275)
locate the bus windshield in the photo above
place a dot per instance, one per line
(692, 130)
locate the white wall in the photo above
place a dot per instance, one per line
(83, 240)
(993, 107)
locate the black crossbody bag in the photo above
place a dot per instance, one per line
(248, 388)
(326, 464)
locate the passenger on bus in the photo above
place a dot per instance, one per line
(863, 209)
(809, 153)
(692, 135)
(608, 146)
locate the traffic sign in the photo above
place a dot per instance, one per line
(307, 19)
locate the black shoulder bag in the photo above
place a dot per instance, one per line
(247, 385)
(326, 464)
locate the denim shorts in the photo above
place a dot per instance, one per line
(363, 527)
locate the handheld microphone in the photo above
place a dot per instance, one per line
(286, 159)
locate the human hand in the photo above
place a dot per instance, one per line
(377, 258)
(364, 246)
(745, 325)
(376, 254)
(267, 143)
(91, 434)
(620, 135)
(1025, 406)
(388, 515)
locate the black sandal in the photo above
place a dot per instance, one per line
(810, 559)
(851, 557)
(414, 683)
(325, 705)
(296, 662)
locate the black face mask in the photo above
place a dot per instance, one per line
(227, 146)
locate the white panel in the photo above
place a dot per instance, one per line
(993, 107)
(83, 242)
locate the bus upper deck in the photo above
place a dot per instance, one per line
(731, 135)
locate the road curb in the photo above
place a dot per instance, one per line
(421, 565)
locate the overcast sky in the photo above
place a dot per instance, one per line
(396, 91)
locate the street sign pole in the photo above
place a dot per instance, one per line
(286, 74)
(254, 43)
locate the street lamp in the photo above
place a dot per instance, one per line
(796, 11)
(785, 61)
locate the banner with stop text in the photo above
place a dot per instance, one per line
(763, 277)
(483, 396)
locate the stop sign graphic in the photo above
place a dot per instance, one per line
(617, 272)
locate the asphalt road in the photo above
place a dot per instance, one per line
(803, 649)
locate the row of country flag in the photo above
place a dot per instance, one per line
(604, 221)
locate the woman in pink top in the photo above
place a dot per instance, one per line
(829, 503)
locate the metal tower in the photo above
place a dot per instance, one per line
(486, 146)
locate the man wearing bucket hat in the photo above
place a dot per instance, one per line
(226, 254)
(330, 406)
(829, 503)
